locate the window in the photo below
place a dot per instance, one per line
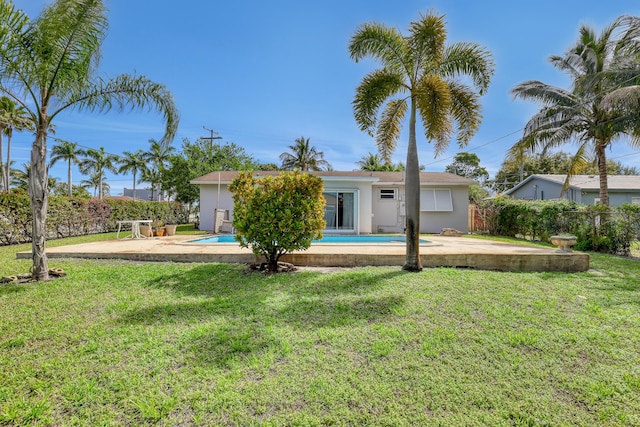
(436, 200)
(635, 200)
(596, 201)
(387, 194)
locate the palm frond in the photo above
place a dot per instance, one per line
(465, 110)
(469, 59)
(375, 88)
(380, 42)
(122, 91)
(579, 162)
(67, 36)
(433, 100)
(543, 93)
(427, 39)
(389, 128)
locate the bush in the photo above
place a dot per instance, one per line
(275, 215)
(75, 216)
(596, 227)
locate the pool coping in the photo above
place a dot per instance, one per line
(443, 251)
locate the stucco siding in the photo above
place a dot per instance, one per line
(434, 222)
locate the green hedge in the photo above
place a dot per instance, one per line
(597, 227)
(74, 216)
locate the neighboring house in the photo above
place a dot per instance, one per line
(360, 202)
(141, 193)
(584, 189)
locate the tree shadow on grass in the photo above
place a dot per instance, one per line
(10, 288)
(236, 314)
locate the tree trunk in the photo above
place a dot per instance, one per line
(3, 182)
(601, 155)
(39, 196)
(69, 178)
(412, 198)
(7, 166)
(134, 184)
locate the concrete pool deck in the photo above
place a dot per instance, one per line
(441, 251)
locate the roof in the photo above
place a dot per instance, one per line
(434, 178)
(586, 182)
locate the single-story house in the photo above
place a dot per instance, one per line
(358, 202)
(584, 189)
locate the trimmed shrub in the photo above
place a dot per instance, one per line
(275, 215)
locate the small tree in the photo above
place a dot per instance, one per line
(275, 215)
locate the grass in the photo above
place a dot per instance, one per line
(120, 342)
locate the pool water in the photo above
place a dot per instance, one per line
(362, 239)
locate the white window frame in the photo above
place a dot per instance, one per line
(436, 200)
(635, 200)
(393, 192)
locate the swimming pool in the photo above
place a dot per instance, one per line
(350, 239)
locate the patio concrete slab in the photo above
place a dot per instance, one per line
(441, 251)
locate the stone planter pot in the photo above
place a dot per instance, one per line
(146, 231)
(564, 243)
(170, 229)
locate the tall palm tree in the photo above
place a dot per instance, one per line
(157, 156)
(134, 163)
(421, 74)
(303, 157)
(69, 152)
(96, 163)
(51, 61)
(594, 113)
(12, 116)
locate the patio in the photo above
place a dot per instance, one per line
(441, 251)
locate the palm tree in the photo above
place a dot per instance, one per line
(51, 61)
(420, 73)
(303, 157)
(157, 156)
(12, 117)
(20, 178)
(98, 182)
(96, 163)
(595, 113)
(69, 152)
(371, 162)
(134, 163)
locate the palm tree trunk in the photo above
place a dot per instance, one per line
(6, 168)
(2, 175)
(39, 196)
(134, 184)
(69, 178)
(601, 155)
(412, 198)
(100, 188)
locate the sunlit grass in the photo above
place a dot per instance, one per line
(129, 343)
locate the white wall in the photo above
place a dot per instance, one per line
(364, 200)
(434, 222)
(208, 202)
(375, 214)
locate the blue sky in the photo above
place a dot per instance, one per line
(262, 74)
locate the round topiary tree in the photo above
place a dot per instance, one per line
(275, 215)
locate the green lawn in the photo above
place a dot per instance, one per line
(129, 343)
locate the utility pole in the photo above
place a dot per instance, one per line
(212, 133)
(218, 214)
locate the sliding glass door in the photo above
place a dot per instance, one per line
(340, 210)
